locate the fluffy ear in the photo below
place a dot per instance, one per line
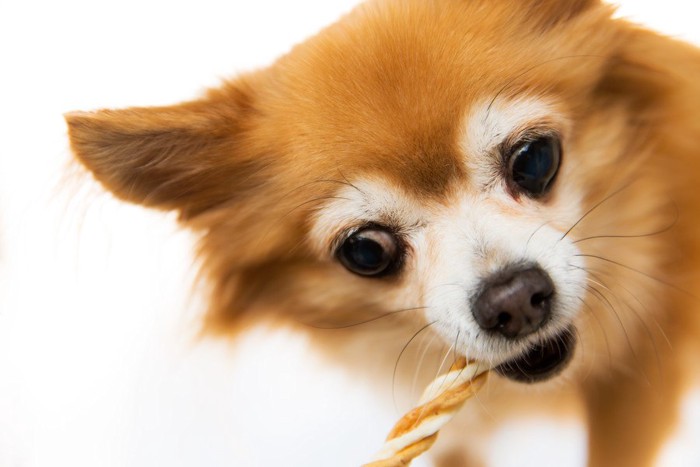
(655, 76)
(187, 157)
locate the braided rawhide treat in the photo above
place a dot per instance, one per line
(416, 432)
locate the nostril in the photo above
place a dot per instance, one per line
(504, 318)
(538, 299)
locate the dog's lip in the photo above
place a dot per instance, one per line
(542, 361)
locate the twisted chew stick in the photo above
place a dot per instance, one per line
(416, 432)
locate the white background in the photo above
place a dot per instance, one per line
(99, 365)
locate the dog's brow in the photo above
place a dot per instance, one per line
(489, 122)
(426, 168)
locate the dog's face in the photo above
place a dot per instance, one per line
(420, 163)
(481, 256)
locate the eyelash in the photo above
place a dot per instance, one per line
(519, 138)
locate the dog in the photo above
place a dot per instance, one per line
(509, 181)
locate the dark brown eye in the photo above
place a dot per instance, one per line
(534, 165)
(372, 251)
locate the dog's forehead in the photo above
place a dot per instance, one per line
(388, 198)
(387, 91)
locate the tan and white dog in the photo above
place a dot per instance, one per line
(513, 181)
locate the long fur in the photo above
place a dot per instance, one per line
(382, 95)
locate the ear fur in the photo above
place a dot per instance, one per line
(654, 75)
(188, 157)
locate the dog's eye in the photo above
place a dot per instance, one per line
(371, 251)
(534, 164)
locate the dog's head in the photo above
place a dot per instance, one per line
(420, 163)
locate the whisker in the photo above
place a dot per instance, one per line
(660, 281)
(595, 206)
(602, 329)
(624, 330)
(604, 300)
(425, 347)
(490, 365)
(652, 341)
(314, 200)
(447, 284)
(390, 313)
(635, 298)
(348, 183)
(439, 371)
(527, 244)
(442, 363)
(651, 234)
(582, 345)
(320, 180)
(644, 324)
(398, 359)
(454, 357)
(644, 307)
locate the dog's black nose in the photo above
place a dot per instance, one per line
(516, 303)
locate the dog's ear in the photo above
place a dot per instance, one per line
(188, 157)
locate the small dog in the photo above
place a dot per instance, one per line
(515, 180)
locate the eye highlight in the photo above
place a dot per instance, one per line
(372, 251)
(534, 165)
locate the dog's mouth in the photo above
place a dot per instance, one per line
(542, 361)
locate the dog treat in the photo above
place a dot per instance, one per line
(416, 432)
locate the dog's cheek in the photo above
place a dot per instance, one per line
(310, 294)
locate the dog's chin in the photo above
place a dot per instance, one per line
(542, 361)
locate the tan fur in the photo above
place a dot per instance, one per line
(382, 93)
